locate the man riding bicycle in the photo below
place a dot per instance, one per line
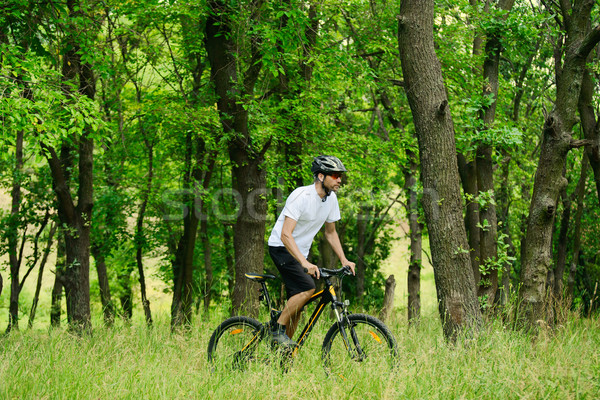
(306, 210)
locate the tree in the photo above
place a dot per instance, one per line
(557, 141)
(75, 217)
(458, 305)
(247, 156)
(488, 282)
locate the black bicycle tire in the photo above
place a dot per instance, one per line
(224, 326)
(360, 319)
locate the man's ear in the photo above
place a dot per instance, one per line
(321, 176)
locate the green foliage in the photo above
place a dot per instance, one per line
(155, 91)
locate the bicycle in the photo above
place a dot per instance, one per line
(353, 338)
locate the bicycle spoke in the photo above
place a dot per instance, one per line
(369, 347)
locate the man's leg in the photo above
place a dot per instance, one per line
(291, 313)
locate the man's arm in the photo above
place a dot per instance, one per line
(290, 244)
(334, 240)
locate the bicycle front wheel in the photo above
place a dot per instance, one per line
(234, 343)
(362, 343)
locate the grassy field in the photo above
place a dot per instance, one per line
(133, 362)
(129, 362)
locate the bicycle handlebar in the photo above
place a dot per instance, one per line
(328, 273)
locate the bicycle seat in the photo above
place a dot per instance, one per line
(259, 277)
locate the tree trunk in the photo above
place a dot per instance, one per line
(139, 232)
(57, 288)
(488, 282)
(248, 176)
(249, 229)
(14, 255)
(590, 125)
(458, 305)
(75, 217)
(228, 244)
(416, 247)
(561, 259)
(579, 195)
(126, 292)
(556, 144)
(204, 236)
(388, 298)
(108, 309)
(183, 265)
(468, 177)
(361, 223)
(488, 279)
(38, 286)
(503, 200)
(207, 264)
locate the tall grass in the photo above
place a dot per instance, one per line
(128, 362)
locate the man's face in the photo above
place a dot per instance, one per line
(332, 181)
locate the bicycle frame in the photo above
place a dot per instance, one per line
(326, 296)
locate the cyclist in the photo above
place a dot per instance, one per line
(306, 210)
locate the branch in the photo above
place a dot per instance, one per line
(565, 9)
(369, 242)
(251, 75)
(366, 55)
(35, 249)
(266, 147)
(61, 187)
(575, 144)
(589, 42)
(555, 15)
(20, 259)
(163, 31)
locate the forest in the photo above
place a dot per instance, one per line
(160, 138)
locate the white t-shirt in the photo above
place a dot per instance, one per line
(306, 207)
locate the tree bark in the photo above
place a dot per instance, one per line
(14, 255)
(503, 200)
(561, 253)
(388, 298)
(557, 141)
(204, 236)
(57, 288)
(361, 223)
(139, 231)
(38, 286)
(183, 265)
(75, 217)
(589, 123)
(248, 176)
(229, 261)
(488, 282)
(579, 195)
(108, 309)
(416, 246)
(458, 305)
(468, 177)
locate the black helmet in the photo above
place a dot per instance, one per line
(327, 164)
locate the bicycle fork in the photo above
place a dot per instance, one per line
(352, 346)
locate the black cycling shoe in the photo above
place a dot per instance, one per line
(280, 339)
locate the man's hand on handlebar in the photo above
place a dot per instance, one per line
(312, 270)
(350, 265)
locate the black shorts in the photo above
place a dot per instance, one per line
(295, 279)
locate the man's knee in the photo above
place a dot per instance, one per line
(308, 294)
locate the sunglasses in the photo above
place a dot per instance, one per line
(335, 175)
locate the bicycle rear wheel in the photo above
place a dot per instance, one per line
(365, 343)
(234, 343)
